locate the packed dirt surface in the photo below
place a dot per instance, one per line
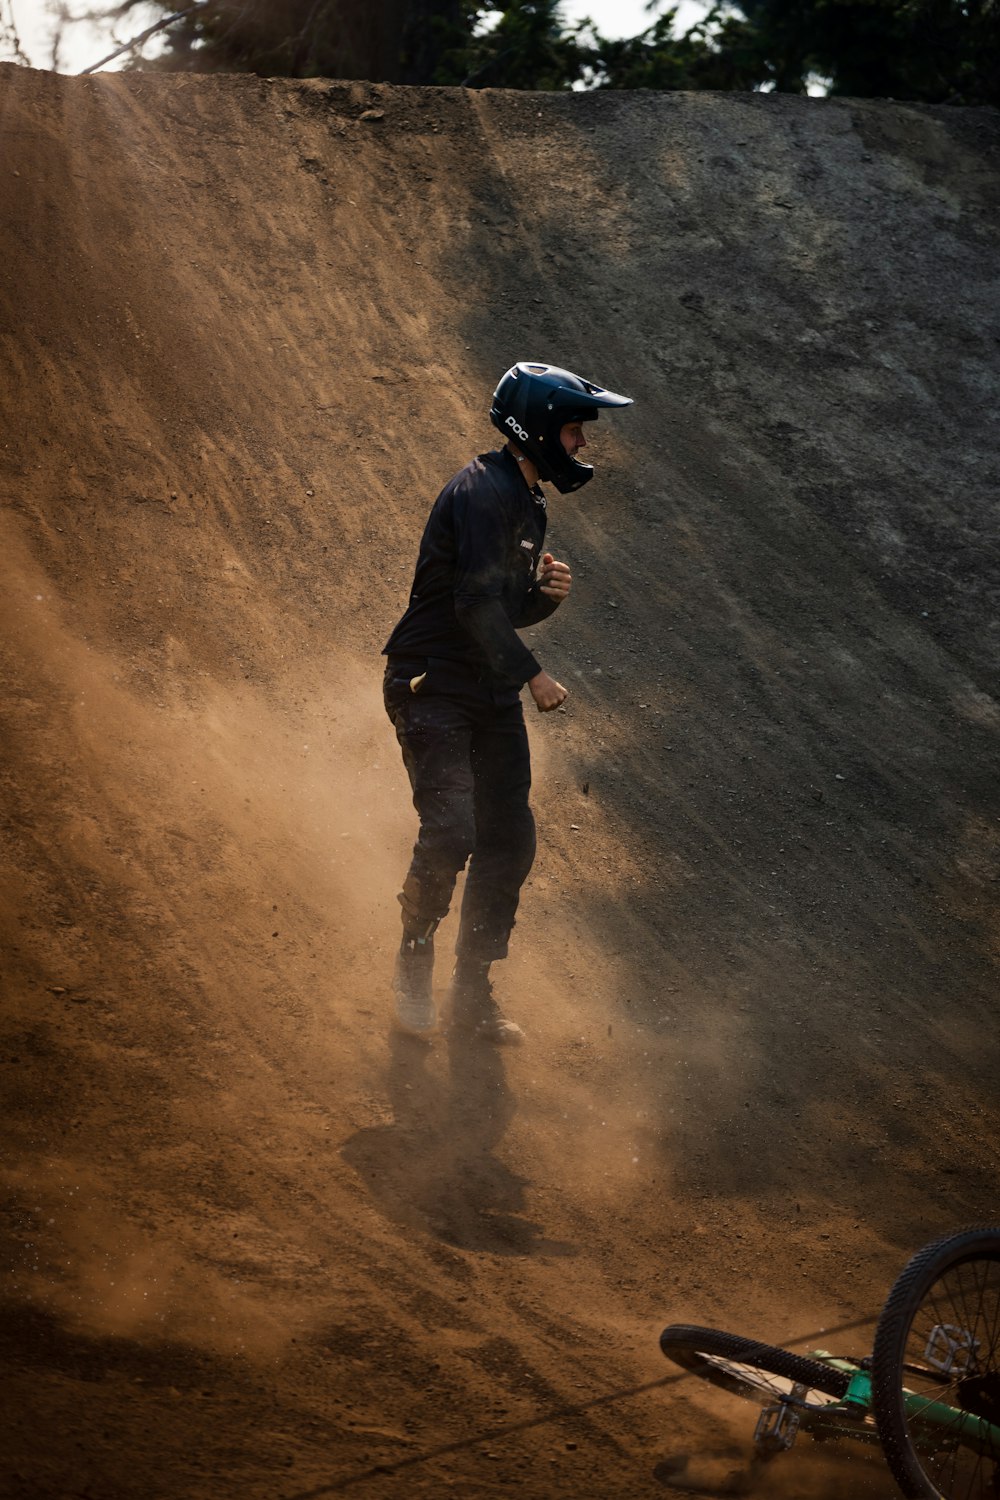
(254, 1246)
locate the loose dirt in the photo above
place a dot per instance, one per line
(254, 1247)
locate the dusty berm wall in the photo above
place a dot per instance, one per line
(248, 329)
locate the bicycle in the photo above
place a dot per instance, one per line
(929, 1392)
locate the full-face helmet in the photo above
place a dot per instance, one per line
(531, 406)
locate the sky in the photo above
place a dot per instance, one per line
(85, 45)
(616, 18)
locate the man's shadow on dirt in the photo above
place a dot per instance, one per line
(434, 1166)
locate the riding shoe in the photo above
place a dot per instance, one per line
(475, 1012)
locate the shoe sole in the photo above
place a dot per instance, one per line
(510, 1036)
(418, 1033)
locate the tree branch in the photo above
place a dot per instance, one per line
(144, 36)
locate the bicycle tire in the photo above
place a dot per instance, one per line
(938, 1341)
(746, 1367)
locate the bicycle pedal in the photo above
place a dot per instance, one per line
(952, 1350)
(777, 1428)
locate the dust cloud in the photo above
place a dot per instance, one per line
(259, 1247)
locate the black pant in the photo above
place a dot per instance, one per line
(465, 749)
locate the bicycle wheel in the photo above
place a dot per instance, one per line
(748, 1368)
(936, 1370)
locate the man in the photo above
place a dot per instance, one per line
(453, 678)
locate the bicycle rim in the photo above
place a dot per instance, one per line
(751, 1369)
(936, 1370)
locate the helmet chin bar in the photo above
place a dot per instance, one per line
(567, 476)
(570, 475)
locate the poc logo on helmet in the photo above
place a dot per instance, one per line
(517, 431)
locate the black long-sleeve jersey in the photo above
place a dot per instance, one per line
(475, 582)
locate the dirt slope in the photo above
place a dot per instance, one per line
(248, 328)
